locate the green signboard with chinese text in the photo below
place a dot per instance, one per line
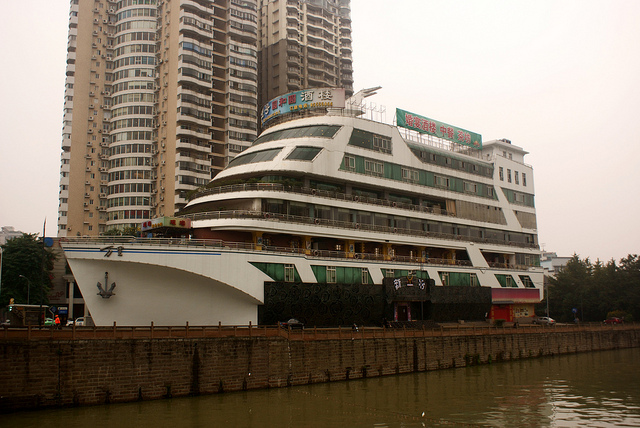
(442, 130)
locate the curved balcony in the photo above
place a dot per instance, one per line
(335, 196)
(336, 224)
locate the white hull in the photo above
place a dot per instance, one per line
(175, 284)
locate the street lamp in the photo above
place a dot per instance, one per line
(28, 288)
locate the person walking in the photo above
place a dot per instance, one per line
(57, 321)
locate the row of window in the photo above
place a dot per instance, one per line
(133, 123)
(133, 72)
(116, 163)
(133, 37)
(389, 222)
(130, 188)
(319, 131)
(138, 48)
(242, 136)
(126, 3)
(516, 176)
(125, 201)
(236, 98)
(238, 111)
(192, 181)
(243, 63)
(244, 15)
(243, 74)
(392, 171)
(426, 155)
(194, 167)
(188, 46)
(243, 87)
(129, 214)
(136, 25)
(196, 23)
(190, 59)
(130, 175)
(242, 50)
(129, 148)
(133, 98)
(351, 275)
(198, 114)
(132, 135)
(192, 99)
(371, 141)
(131, 13)
(134, 60)
(243, 124)
(133, 110)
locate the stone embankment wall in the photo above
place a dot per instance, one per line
(43, 373)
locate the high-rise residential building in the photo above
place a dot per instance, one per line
(161, 94)
(304, 44)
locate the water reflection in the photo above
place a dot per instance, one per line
(600, 389)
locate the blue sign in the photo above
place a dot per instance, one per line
(302, 100)
(574, 310)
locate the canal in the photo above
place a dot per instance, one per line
(597, 389)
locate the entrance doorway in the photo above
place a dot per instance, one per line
(403, 312)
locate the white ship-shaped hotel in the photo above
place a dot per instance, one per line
(333, 219)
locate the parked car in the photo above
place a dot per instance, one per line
(614, 320)
(292, 324)
(79, 322)
(48, 322)
(544, 321)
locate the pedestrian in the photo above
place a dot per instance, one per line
(57, 321)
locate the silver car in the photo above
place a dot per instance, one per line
(544, 321)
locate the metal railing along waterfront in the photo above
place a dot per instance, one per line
(274, 331)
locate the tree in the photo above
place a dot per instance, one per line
(23, 276)
(595, 290)
(127, 231)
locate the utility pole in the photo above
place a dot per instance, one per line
(41, 317)
(28, 288)
(0, 273)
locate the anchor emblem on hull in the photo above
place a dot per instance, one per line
(105, 294)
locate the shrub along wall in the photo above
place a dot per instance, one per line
(36, 374)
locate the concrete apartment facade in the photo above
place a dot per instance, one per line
(304, 44)
(161, 94)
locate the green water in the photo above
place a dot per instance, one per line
(599, 389)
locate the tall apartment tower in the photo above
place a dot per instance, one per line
(160, 94)
(304, 44)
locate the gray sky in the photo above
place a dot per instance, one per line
(559, 78)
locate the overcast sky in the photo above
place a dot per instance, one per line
(561, 79)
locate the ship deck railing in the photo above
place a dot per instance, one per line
(250, 214)
(110, 241)
(277, 187)
(152, 332)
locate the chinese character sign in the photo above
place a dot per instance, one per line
(302, 100)
(442, 130)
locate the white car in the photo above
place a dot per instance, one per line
(79, 322)
(544, 321)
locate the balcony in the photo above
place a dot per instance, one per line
(359, 228)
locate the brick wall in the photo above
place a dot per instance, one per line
(84, 372)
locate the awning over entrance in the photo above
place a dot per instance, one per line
(515, 295)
